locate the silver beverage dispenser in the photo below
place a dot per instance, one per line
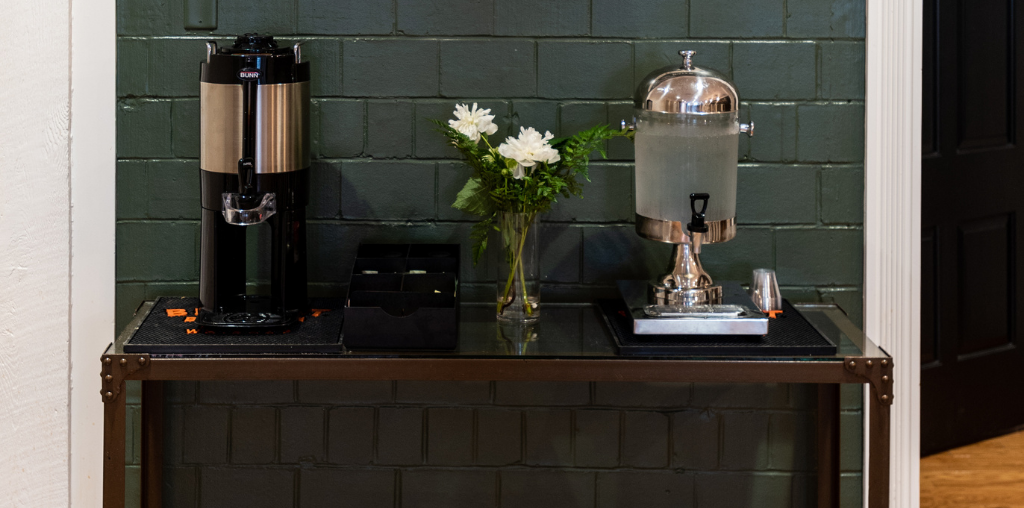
(687, 132)
(687, 135)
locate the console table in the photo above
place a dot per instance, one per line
(565, 350)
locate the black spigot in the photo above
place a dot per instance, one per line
(697, 224)
(246, 170)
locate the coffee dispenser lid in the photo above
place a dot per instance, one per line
(254, 44)
(687, 89)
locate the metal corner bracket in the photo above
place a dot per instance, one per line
(878, 373)
(115, 369)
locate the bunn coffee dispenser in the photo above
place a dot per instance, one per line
(254, 161)
(687, 132)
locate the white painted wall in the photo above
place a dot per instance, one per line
(34, 252)
(57, 186)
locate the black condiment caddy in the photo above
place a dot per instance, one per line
(403, 296)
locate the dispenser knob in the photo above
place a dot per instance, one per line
(687, 55)
(748, 128)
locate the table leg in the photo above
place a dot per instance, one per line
(878, 468)
(828, 445)
(113, 449)
(152, 443)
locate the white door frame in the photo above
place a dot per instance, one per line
(892, 205)
(93, 183)
(892, 224)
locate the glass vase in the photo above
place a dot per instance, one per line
(515, 246)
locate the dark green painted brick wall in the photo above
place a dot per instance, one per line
(381, 70)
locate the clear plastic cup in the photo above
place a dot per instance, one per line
(764, 290)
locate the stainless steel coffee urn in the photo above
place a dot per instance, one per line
(687, 132)
(254, 157)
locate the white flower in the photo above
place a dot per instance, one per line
(473, 122)
(528, 149)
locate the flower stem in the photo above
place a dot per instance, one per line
(517, 264)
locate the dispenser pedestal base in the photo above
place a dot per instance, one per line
(750, 321)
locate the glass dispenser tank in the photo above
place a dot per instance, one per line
(687, 134)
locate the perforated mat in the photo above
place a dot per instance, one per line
(788, 335)
(170, 328)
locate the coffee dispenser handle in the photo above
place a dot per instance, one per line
(697, 224)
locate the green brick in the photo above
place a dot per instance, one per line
(173, 189)
(494, 68)
(620, 149)
(390, 68)
(744, 440)
(347, 17)
(541, 115)
(775, 132)
(774, 70)
(127, 297)
(650, 56)
(174, 67)
(842, 70)
(324, 57)
(830, 132)
(387, 190)
(143, 128)
(185, 127)
(736, 259)
(148, 17)
(329, 256)
(611, 253)
(325, 187)
(132, 66)
(451, 178)
(723, 18)
(639, 20)
(819, 256)
(608, 197)
(729, 490)
(851, 492)
(533, 18)
(580, 116)
(771, 194)
(155, 290)
(389, 129)
(661, 489)
(833, 19)
(157, 251)
(560, 247)
(584, 70)
(842, 195)
(445, 17)
(341, 128)
(851, 300)
(132, 184)
(790, 445)
(270, 17)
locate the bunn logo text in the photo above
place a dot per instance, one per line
(249, 74)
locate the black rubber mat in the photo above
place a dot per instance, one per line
(788, 335)
(170, 328)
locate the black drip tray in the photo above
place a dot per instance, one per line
(788, 335)
(171, 328)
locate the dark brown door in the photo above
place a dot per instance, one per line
(972, 375)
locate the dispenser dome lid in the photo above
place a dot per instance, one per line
(254, 44)
(687, 89)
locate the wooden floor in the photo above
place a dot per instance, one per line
(989, 474)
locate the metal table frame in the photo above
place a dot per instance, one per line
(873, 369)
